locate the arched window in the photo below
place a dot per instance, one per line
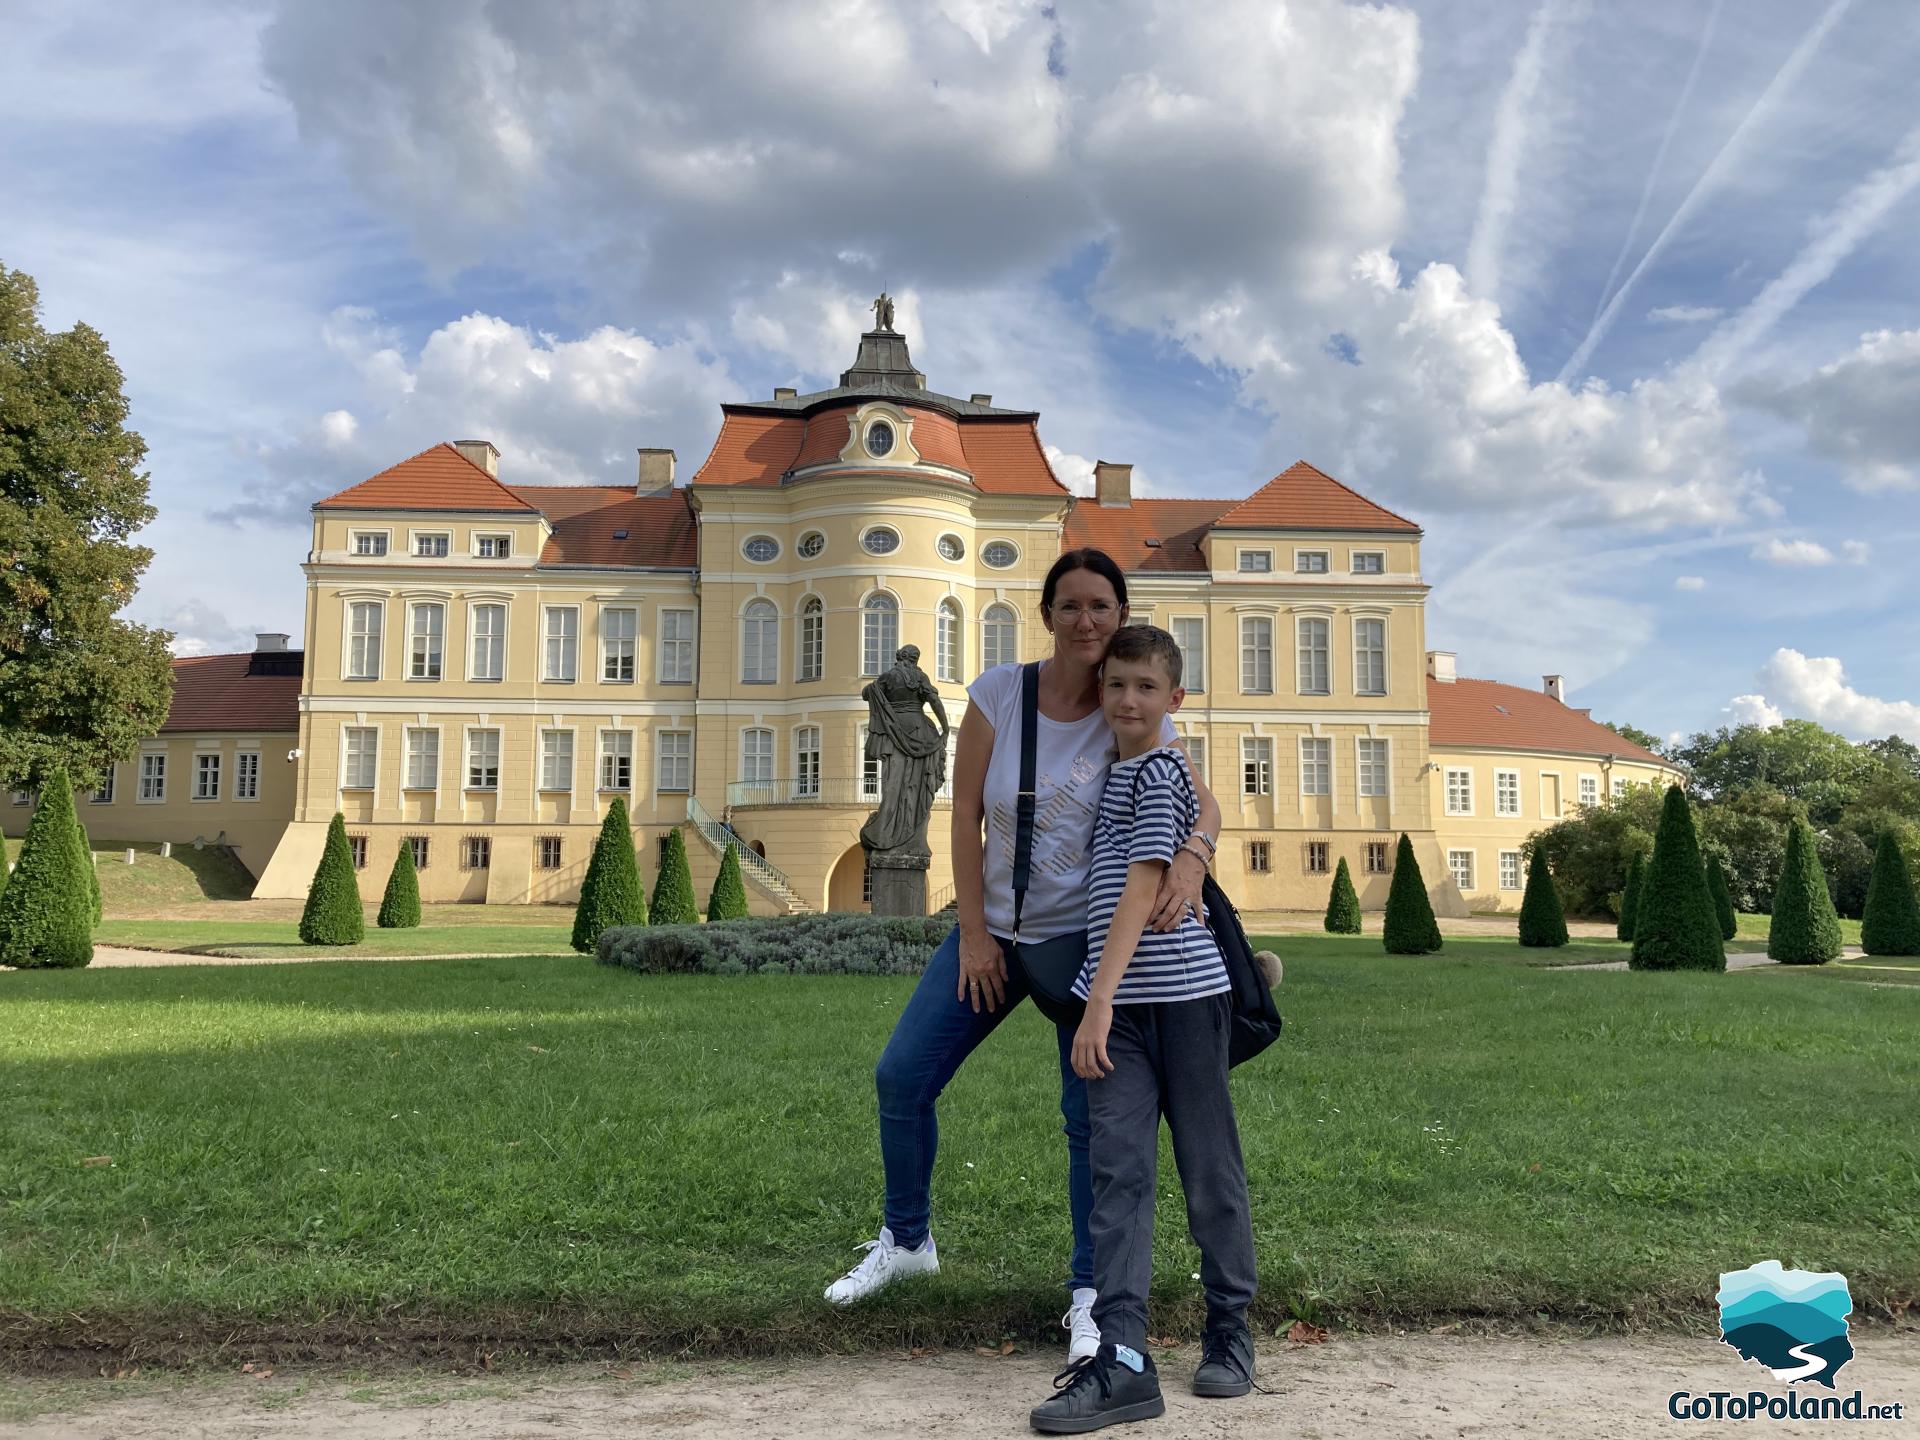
(756, 758)
(880, 633)
(813, 638)
(997, 631)
(946, 659)
(759, 643)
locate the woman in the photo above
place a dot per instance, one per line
(969, 986)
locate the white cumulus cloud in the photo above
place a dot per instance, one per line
(1816, 688)
(1797, 554)
(1689, 582)
(1858, 411)
(1753, 710)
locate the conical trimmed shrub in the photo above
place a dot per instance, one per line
(1630, 898)
(1542, 920)
(1410, 928)
(332, 915)
(1890, 924)
(1722, 898)
(93, 871)
(611, 893)
(1805, 929)
(729, 898)
(673, 902)
(400, 906)
(46, 911)
(1674, 927)
(1343, 903)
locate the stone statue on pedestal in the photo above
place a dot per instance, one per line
(912, 751)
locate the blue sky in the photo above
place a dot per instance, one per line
(1620, 300)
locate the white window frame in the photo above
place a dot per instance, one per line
(1307, 848)
(476, 852)
(772, 540)
(1589, 790)
(441, 551)
(1472, 867)
(246, 775)
(810, 640)
(410, 776)
(1502, 808)
(1361, 650)
(354, 538)
(561, 666)
(1256, 755)
(103, 792)
(542, 844)
(1300, 567)
(151, 788)
(759, 642)
(557, 755)
(869, 768)
(422, 848)
(676, 665)
(662, 756)
(615, 747)
(1259, 857)
(1354, 557)
(1513, 875)
(1195, 749)
(1193, 651)
(1306, 654)
(1386, 858)
(1447, 778)
(999, 635)
(436, 650)
(618, 652)
(876, 651)
(497, 645)
(1251, 655)
(357, 851)
(1383, 768)
(949, 631)
(369, 642)
(1321, 759)
(872, 530)
(806, 762)
(1619, 787)
(502, 541)
(1253, 561)
(755, 751)
(203, 773)
(988, 547)
(470, 751)
(369, 758)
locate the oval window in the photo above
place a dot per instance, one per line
(880, 541)
(879, 439)
(811, 544)
(952, 547)
(761, 549)
(1000, 554)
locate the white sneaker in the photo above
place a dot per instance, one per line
(1078, 1322)
(885, 1262)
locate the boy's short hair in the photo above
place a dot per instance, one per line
(1147, 642)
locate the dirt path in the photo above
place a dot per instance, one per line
(1366, 1388)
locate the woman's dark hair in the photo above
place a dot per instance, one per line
(1085, 558)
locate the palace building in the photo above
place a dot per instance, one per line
(487, 665)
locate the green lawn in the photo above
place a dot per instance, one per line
(445, 930)
(551, 1152)
(1755, 927)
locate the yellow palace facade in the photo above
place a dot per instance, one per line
(488, 665)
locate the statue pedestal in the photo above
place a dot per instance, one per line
(899, 882)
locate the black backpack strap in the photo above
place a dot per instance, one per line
(1023, 805)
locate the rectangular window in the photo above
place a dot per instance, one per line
(1460, 866)
(483, 760)
(1316, 766)
(549, 852)
(563, 642)
(1369, 657)
(1256, 765)
(618, 629)
(616, 759)
(423, 759)
(1459, 792)
(1311, 637)
(103, 792)
(1509, 869)
(153, 777)
(489, 642)
(1190, 634)
(476, 852)
(363, 758)
(1369, 562)
(1377, 862)
(812, 650)
(556, 759)
(1619, 786)
(756, 757)
(1196, 748)
(22, 797)
(363, 640)
(1256, 655)
(1259, 857)
(1310, 562)
(998, 637)
(1316, 857)
(246, 775)
(869, 770)
(431, 546)
(421, 850)
(1256, 562)
(369, 542)
(493, 547)
(676, 761)
(1506, 792)
(427, 632)
(1589, 789)
(676, 647)
(357, 847)
(206, 777)
(1372, 760)
(806, 762)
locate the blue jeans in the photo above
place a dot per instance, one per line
(935, 1033)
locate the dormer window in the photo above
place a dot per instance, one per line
(493, 547)
(1256, 562)
(370, 542)
(431, 545)
(1310, 562)
(1369, 562)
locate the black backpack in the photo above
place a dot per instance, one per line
(1256, 1019)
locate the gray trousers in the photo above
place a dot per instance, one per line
(1168, 1059)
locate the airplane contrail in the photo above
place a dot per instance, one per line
(1709, 178)
(1499, 197)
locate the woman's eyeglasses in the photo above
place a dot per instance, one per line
(1071, 612)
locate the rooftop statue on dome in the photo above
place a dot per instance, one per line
(883, 312)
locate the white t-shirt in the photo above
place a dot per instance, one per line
(1070, 774)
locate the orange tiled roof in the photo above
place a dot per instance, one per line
(1471, 713)
(659, 528)
(215, 692)
(1002, 455)
(1005, 458)
(438, 478)
(1123, 531)
(752, 450)
(1303, 498)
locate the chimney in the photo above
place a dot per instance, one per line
(785, 392)
(979, 399)
(269, 641)
(481, 453)
(1554, 685)
(1112, 484)
(656, 472)
(1440, 666)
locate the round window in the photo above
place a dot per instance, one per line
(761, 549)
(1000, 554)
(880, 541)
(879, 439)
(811, 544)
(952, 547)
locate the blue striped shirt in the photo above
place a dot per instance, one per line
(1148, 809)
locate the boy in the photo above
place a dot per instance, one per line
(1153, 1042)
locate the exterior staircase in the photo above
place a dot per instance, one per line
(770, 882)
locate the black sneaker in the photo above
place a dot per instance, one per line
(1100, 1391)
(1226, 1362)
